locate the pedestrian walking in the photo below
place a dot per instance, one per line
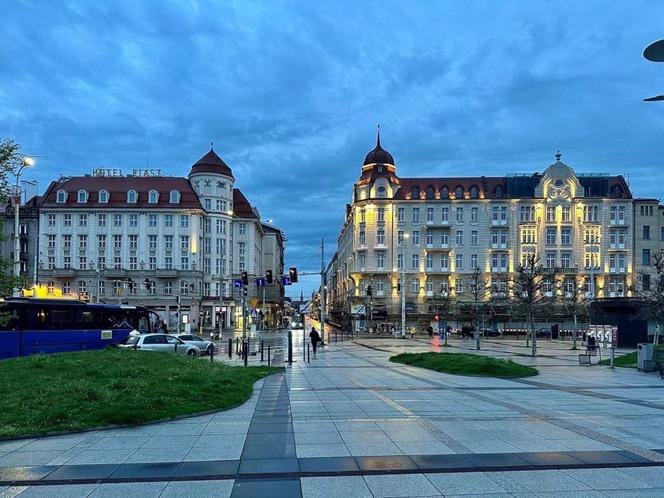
(430, 331)
(315, 339)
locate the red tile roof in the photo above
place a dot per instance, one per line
(241, 206)
(211, 163)
(117, 187)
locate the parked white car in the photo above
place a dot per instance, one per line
(160, 342)
(206, 347)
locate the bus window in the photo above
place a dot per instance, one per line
(87, 319)
(10, 318)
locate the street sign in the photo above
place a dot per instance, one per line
(260, 282)
(286, 280)
(238, 283)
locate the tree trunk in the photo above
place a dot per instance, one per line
(533, 344)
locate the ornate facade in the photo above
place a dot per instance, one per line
(436, 233)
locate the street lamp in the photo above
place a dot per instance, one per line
(26, 162)
(654, 53)
(403, 291)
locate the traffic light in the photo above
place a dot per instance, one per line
(268, 276)
(436, 317)
(245, 278)
(292, 273)
(369, 290)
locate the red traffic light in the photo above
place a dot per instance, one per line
(436, 318)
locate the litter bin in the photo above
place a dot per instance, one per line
(644, 353)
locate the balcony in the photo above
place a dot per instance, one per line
(499, 246)
(499, 223)
(437, 224)
(499, 269)
(617, 245)
(617, 269)
(164, 273)
(617, 222)
(63, 272)
(437, 247)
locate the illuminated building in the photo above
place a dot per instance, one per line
(435, 232)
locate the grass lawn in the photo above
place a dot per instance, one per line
(73, 391)
(626, 360)
(465, 364)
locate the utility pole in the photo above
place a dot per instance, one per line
(322, 290)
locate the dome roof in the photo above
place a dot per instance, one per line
(211, 163)
(378, 155)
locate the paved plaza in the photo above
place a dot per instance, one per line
(350, 423)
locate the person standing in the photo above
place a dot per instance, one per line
(315, 339)
(430, 331)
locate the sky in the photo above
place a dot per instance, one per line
(291, 94)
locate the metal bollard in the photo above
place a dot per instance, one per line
(230, 348)
(308, 354)
(246, 352)
(237, 346)
(268, 355)
(261, 350)
(290, 347)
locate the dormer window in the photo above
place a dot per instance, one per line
(103, 197)
(132, 197)
(153, 197)
(415, 193)
(381, 191)
(474, 192)
(174, 197)
(458, 192)
(498, 192)
(430, 192)
(444, 192)
(61, 197)
(82, 197)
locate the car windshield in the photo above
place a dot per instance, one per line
(131, 340)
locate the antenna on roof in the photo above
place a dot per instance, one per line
(211, 145)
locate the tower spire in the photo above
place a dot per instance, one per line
(378, 138)
(211, 145)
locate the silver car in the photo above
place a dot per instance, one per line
(206, 347)
(160, 342)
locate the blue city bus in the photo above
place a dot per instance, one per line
(30, 326)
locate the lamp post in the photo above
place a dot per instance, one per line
(26, 161)
(403, 291)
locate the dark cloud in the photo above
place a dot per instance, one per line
(291, 93)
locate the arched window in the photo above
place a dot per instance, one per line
(431, 192)
(458, 192)
(82, 197)
(174, 197)
(415, 193)
(132, 197)
(381, 191)
(61, 197)
(616, 191)
(498, 192)
(444, 192)
(474, 192)
(103, 196)
(153, 197)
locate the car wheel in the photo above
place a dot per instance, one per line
(192, 352)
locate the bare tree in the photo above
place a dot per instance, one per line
(574, 300)
(651, 293)
(528, 291)
(479, 292)
(443, 306)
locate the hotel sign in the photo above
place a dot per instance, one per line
(120, 173)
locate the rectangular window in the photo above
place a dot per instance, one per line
(363, 235)
(152, 242)
(152, 220)
(429, 215)
(51, 221)
(152, 263)
(429, 262)
(416, 237)
(168, 242)
(101, 243)
(168, 220)
(444, 239)
(168, 262)
(566, 214)
(184, 263)
(133, 242)
(550, 259)
(380, 260)
(473, 261)
(459, 215)
(415, 262)
(82, 263)
(362, 261)
(429, 239)
(400, 237)
(117, 220)
(82, 220)
(184, 221)
(67, 220)
(566, 236)
(117, 242)
(416, 215)
(566, 259)
(207, 204)
(168, 288)
(550, 214)
(82, 243)
(399, 261)
(133, 263)
(381, 214)
(459, 262)
(401, 214)
(550, 236)
(242, 227)
(474, 214)
(117, 262)
(527, 214)
(646, 232)
(646, 256)
(474, 237)
(66, 242)
(50, 241)
(446, 214)
(414, 286)
(133, 220)
(184, 243)
(380, 236)
(591, 213)
(459, 238)
(444, 262)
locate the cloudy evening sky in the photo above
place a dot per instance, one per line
(291, 92)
